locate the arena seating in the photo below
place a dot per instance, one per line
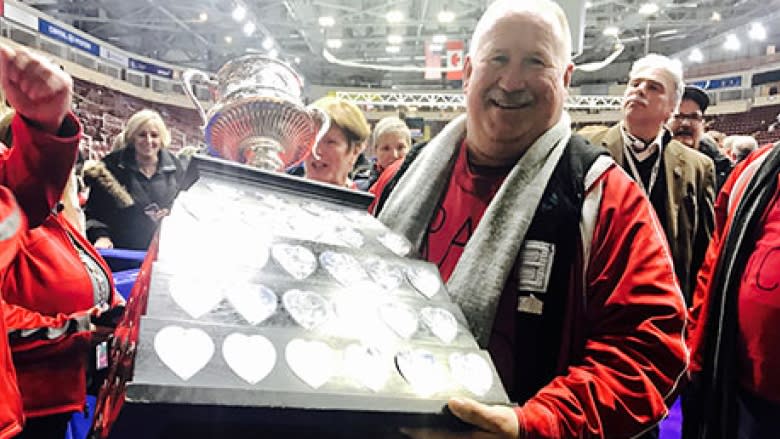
(103, 112)
(760, 122)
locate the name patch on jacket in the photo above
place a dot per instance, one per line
(533, 273)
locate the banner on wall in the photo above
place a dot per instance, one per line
(115, 56)
(153, 69)
(713, 84)
(455, 60)
(51, 30)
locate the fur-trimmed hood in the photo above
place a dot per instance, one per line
(96, 172)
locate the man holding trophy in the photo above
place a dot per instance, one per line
(535, 231)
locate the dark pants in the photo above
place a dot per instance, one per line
(758, 418)
(46, 427)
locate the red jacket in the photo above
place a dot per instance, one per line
(49, 277)
(38, 166)
(623, 348)
(725, 207)
(12, 221)
(35, 171)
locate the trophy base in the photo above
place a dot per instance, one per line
(262, 152)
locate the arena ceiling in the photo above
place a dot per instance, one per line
(204, 34)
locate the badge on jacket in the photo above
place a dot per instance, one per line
(533, 272)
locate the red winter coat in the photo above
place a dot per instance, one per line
(12, 222)
(35, 170)
(48, 277)
(623, 350)
(38, 166)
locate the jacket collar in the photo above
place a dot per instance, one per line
(127, 160)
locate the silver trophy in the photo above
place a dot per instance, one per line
(258, 117)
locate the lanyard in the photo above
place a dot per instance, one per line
(635, 171)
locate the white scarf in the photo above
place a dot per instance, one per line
(479, 277)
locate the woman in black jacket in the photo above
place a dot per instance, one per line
(133, 188)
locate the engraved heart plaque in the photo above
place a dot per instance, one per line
(367, 365)
(296, 260)
(421, 370)
(343, 267)
(395, 243)
(472, 372)
(307, 308)
(313, 361)
(184, 351)
(386, 275)
(441, 322)
(399, 317)
(254, 302)
(251, 357)
(424, 280)
(197, 296)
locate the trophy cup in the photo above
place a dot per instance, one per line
(258, 117)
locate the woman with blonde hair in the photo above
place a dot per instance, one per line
(133, 188)
(390, 141)
(338, 149)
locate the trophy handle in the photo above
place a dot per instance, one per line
(323, 120)
(187, 77)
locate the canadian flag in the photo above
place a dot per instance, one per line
(455, 60)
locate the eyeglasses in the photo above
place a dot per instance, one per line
(691, 117)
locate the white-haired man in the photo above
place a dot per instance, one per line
(740, 146)
(679, 181)
(533, 230)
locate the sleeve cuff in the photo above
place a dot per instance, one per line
(536, 421)
(69, 132)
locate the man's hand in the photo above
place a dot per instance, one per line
(35, 87)
(492, 422)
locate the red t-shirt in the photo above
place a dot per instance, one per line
(759, 311)
(469, 192)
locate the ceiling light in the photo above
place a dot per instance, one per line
(239, 13)
(249, 28)
(435, 47)
(757, 32)
(611, 31)
(268, 43)
(228, 39)
(394, 16)
(666, 33)
(696, 56)
(273, 53)
(297, 60)
(446, 16)
(648, 9)
(203, 16)
(393, 49)
(439, 39)
(732, 42)
(394, 39)
(715, 16)
(333, 43)
(326, 21)
(588, 5)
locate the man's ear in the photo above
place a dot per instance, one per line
(567, 75)
(467, 68)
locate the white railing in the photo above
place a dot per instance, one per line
(456, 101)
